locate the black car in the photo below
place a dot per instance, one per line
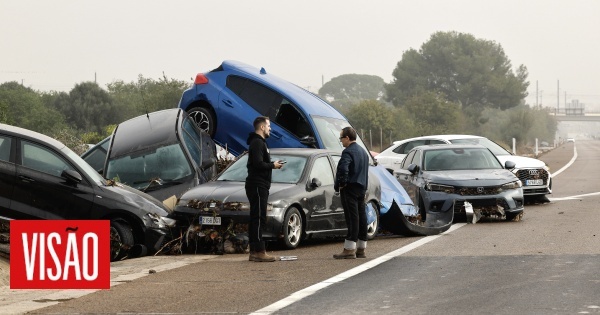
(42, 179)
(161, 153)
(466, 179)
(302, 200)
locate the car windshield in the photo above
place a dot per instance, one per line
(493, 146)
(329, 131)
(460, 159)
(289, 174)
(167, 164)
(85, 167)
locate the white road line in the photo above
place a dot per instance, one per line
(299, 295)
(568, 164)
(574, 197)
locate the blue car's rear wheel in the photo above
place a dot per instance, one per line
(204, 119)
(373, 227)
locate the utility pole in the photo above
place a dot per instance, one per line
(557, 96)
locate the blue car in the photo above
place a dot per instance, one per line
(231, 96)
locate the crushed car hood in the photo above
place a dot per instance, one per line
(136, 198)
(226, 191)
(521, 161)
(491, 177)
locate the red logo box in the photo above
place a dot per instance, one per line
(60, 254)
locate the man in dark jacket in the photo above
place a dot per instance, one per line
(351, 181)
(258, 184)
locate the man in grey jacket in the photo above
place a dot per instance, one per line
(351, 180)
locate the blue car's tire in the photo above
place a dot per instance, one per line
(204, 119)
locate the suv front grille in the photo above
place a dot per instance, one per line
(533, 173)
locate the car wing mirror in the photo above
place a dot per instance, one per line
(413, 168)
(207, 163)
(71, 176)
(308, 141)
(509, 165)
(314, 183)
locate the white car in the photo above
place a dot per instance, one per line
(533, 173)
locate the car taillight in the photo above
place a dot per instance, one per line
(201, 79)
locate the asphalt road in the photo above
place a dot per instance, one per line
(546, 264)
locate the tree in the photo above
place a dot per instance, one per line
(89, 107)
(347, 89)
(374, 116)
(430, 113)
(473, 73)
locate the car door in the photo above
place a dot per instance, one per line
(244, 100)
(8, 172)
(323, 215)
(41, 193)
(407, 179)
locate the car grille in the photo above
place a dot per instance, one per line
(476, 191)
(533, 173)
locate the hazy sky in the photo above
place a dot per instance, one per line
(53, 45)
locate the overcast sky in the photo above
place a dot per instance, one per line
(53, 45)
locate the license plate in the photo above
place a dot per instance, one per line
(210, 220)
(534, 182)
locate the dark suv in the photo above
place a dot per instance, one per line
(42, 179)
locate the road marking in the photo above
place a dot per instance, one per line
(299, 295)
(568, 164)
(574, 197)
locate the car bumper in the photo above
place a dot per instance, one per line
(497, 205)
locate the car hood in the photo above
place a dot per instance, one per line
(521, 161)
(471, 177)
(133, 197)
(226, 191)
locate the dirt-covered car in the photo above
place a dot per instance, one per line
(42, 179)
(533, 173)
(162, 153)
(465, 179)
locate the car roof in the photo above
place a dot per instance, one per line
(430, 147)
(149, 130)
(311, 103)
(31, 135)
(442, 137)
(301, 151)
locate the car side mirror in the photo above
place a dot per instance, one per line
(207, 163)
(308, 141)
(314, 183)
(71, 176)
(413, 168)
(509, 165)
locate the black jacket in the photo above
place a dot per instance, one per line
(259, 164)
(353, 167)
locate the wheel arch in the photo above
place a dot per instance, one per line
(134, 222)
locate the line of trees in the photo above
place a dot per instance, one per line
(455, 83)
(87, 113)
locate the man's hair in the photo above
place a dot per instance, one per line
(259, 121)
(350, 133)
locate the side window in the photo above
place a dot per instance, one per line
(436, 142)
(43, 159)
(192, 140)
(290, 119)
(97, 157)
(407, 160)
(409, 145)
(336, 160)
(5, 143)
(416, 158)
(322, 171)
(264, 100)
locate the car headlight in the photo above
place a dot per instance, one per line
(236, 206)
(512, 185)
(161, 222)
(441, 188)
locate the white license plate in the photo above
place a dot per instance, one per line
(210, 220)
(534, 182)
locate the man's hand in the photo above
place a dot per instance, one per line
(277, 165)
